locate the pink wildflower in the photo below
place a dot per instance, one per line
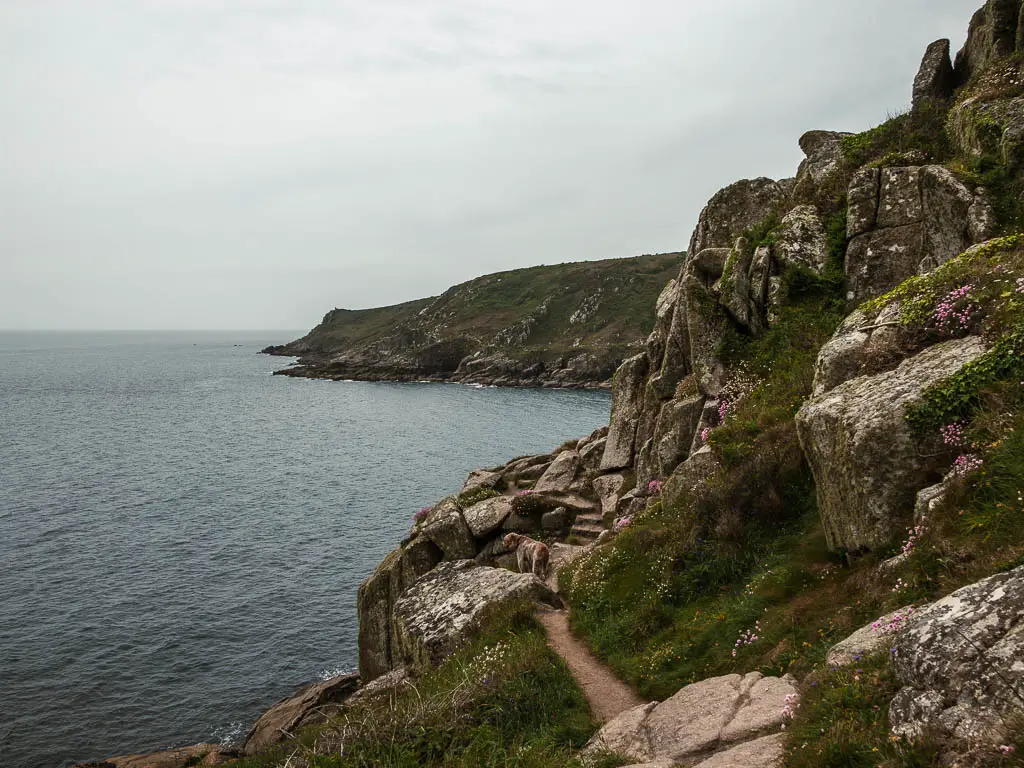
(953, 435)
(956, 310)
(966, 464)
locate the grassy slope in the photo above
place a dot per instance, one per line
(342, 328)
(503, 700)
(482, 308)
(680, 595)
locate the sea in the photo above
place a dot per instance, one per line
(182, 534)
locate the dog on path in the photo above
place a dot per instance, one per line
(531, 556)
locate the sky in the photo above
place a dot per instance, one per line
(252, 164)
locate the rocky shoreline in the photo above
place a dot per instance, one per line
(497, 371)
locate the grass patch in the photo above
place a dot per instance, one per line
(843, 722)
(910, 138)
(503, 700)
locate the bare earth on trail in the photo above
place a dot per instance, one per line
(607, 695)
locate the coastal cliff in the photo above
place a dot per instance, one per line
(800, 539)
(567, 325)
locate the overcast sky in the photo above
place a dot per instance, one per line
(253, 163)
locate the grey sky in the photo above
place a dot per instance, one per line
(254, 163)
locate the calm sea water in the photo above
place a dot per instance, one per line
(182, 534)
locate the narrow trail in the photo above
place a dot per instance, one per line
(607, 695)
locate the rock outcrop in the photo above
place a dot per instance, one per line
(314, 704)
(934, 81)
(867, 466)
(904, 221)
(445, 607)
(961, 660)
(723, 721)
(196, 754)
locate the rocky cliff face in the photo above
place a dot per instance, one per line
(566, 325)
(866, 212)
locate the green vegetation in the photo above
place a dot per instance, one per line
(503, 700)
(667, 602)
(910, 138)
(736, 575)
(843, 722)
(979, 528)
(540, 314)
(979, 292)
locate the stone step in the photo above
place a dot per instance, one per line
(570, 501)
(587, 530)
(590, 517)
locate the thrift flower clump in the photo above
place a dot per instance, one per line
(747, 638)
(915, 536)
(892, 624)
(789, 710)
(954, 435)
(966, 464)
(956, 310)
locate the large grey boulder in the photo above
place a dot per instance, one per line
(376, 599)
(703, 720)
(445, 608)
(609, 489)
(481, 478)
(312, 705)
(627, 400)
(766, 752)
(735, 209)
(662, 324)
(560, 475)
(706, 323)
(961, 660)
(996, 128)
(446, 527)
(488, 515)
(862, 201)
(673, 435)
(592, 453)
(934, 81)
(867, 466)
(880, 260)
(682, 483)
(866, 343)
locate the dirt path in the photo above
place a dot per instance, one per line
(608, 696)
